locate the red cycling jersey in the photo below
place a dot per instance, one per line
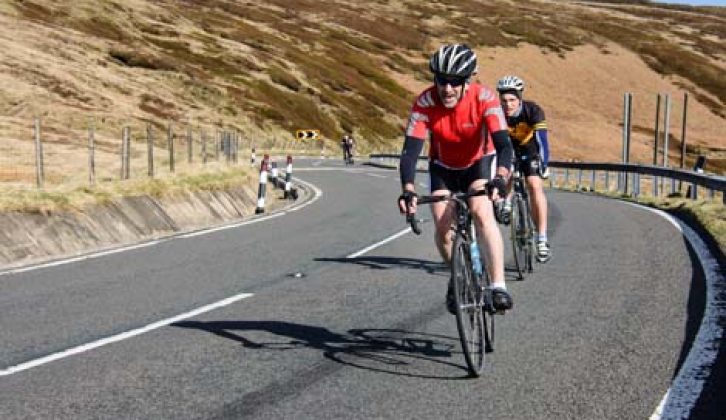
(461, 135)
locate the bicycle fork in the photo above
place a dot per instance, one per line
(483, 294)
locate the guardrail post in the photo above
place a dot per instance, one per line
(567, 177)
(636, 184)
(655, 185)
(579, 179)
(593, 180)
(553, 176)
(607, 181)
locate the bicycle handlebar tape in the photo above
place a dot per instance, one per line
(261, 192)
(411, 218)
(288, 177)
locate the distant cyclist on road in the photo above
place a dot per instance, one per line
(528, 130)
(347, 143)
(469, 150)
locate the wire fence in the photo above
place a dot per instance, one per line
(65, 157)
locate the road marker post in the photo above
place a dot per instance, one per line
(288, 177)
(263, 184)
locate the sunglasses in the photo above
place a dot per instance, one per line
(442, 80)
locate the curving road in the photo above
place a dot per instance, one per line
(596, 333)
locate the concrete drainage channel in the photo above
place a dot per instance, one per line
(30, 241)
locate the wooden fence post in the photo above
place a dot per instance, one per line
(91, 153)
(170, 146)
(150, 149)
(203, 137)
(189, 145)
(39, 172)
(217, 145)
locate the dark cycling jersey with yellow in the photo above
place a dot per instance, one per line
(528, 131)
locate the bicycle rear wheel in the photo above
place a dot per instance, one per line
(469, 312)
(519, 233)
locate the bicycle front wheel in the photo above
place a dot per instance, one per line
(469, 312)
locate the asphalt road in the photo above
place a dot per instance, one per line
(596, 333)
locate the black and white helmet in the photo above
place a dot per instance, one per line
(510, 83)
(456, 60)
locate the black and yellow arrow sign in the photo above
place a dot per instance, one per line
(307, 134)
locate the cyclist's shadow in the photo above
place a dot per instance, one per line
(382, 350)
(384, 263)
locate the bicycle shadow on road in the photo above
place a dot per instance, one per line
(391, 351)
(385, 263)
(431, 267)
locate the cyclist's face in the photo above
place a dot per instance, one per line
(510, 103)
(449, 90)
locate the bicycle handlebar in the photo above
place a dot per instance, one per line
(427, 199)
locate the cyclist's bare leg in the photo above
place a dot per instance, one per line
(443, 215)
(539, 203)
(481, 208)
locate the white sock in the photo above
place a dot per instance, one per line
(499, 285)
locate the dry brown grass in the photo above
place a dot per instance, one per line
(340, 65)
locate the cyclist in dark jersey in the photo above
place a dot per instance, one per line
(528, 130)
(469, 150)
(347, 144)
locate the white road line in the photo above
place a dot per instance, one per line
(81, 258)
(686, 388)
(377, 244)
(234, 225)
(681, 396)
(375, 175)
(122, 336)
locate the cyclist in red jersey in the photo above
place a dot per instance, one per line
(470, 150)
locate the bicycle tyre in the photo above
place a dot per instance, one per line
(529, 243)
(518, 228)
(469, 311)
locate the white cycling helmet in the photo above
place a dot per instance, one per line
(511, 83)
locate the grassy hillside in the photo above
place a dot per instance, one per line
(268, 68)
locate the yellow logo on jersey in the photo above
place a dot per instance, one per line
(521, 133)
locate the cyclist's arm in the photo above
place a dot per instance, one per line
(412, 147)
(543, 144)
(505, 152)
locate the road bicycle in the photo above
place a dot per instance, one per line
(521, 227)
(474, 304)
(348, 157)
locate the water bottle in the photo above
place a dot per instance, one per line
(476, 258)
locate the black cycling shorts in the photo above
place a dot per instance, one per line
(527, 159)
(459, 180)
